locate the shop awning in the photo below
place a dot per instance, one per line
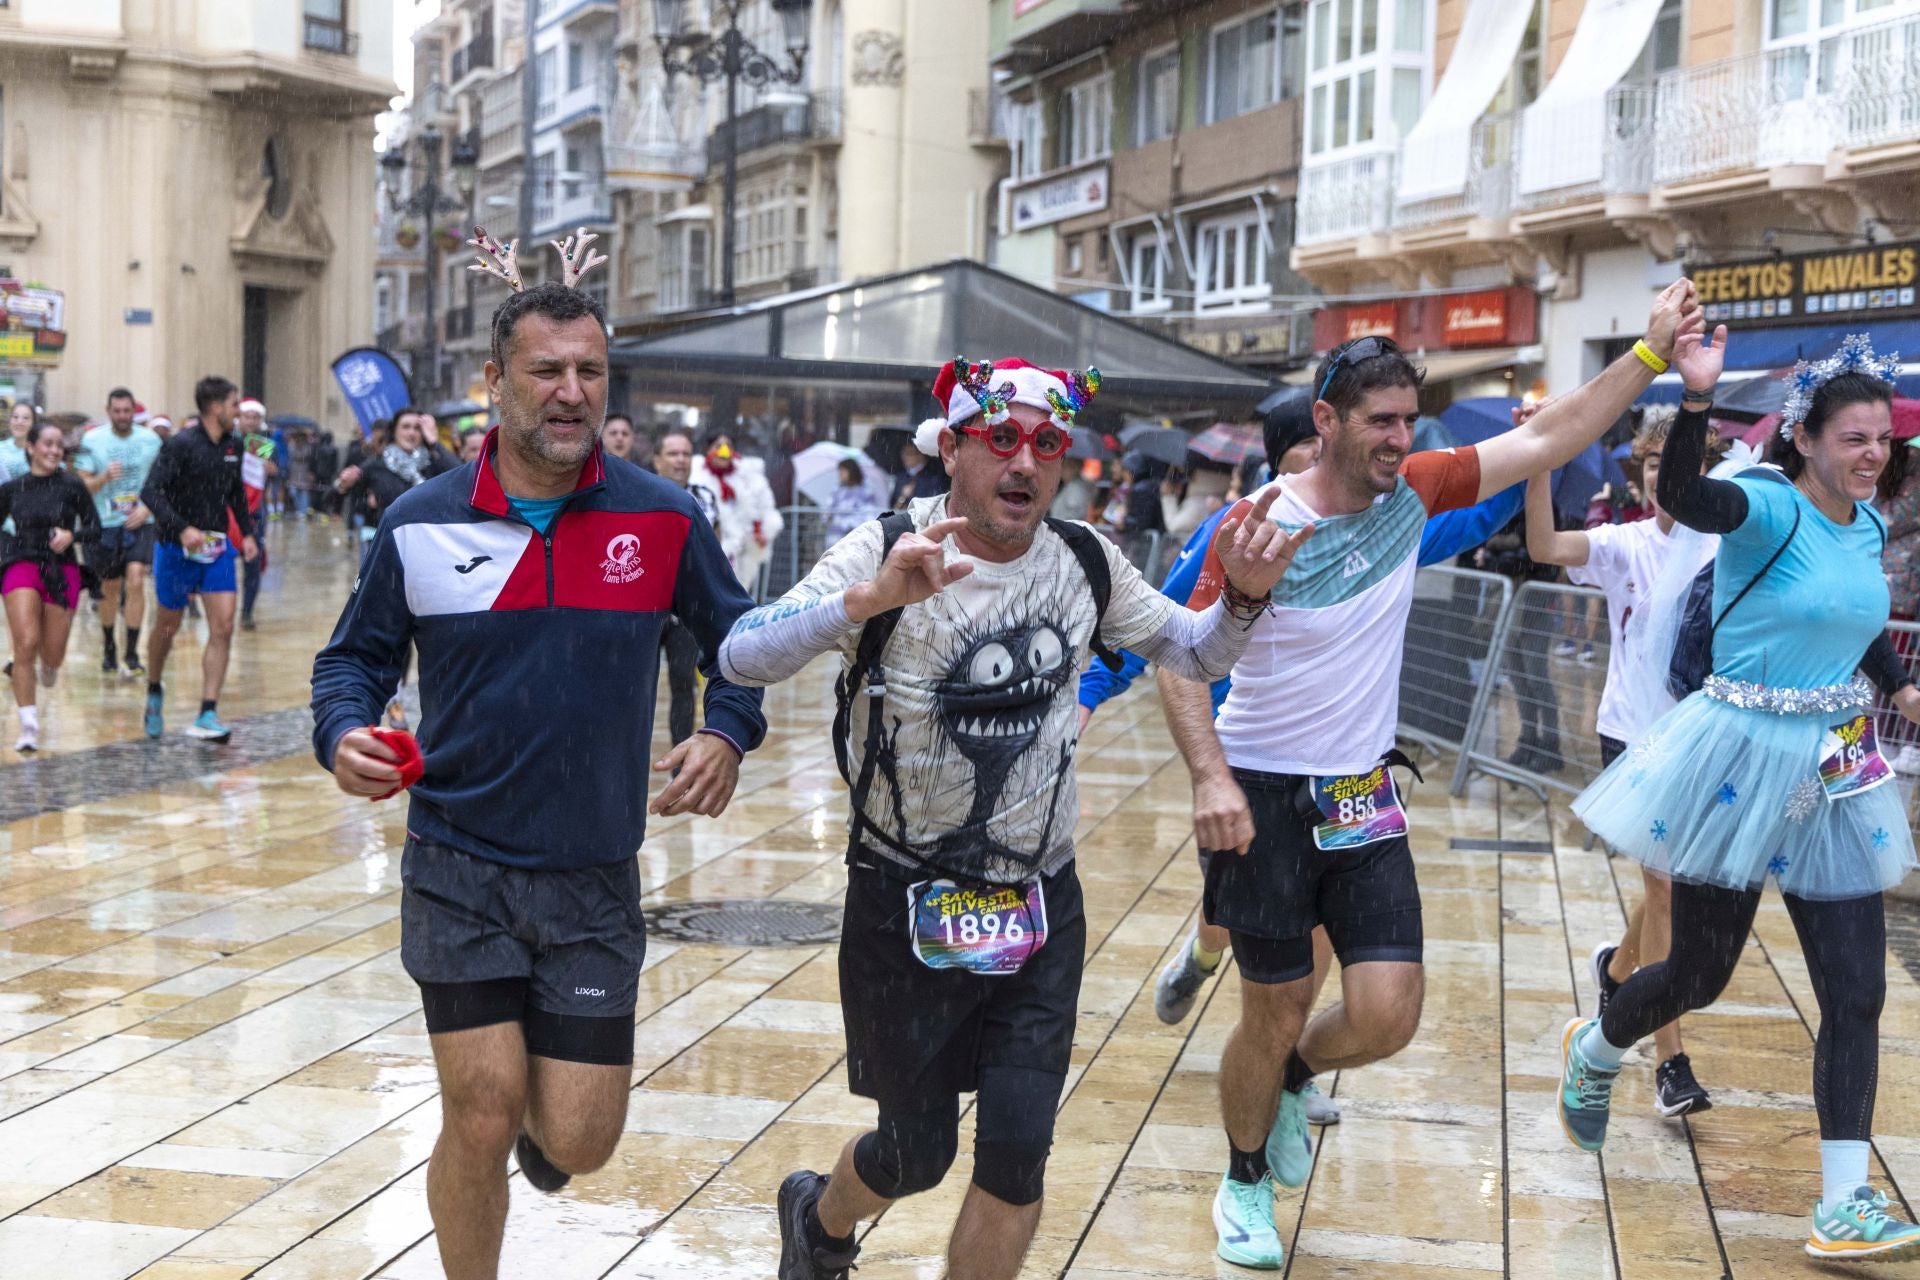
(1433, 157)
(1754, 352)
(1563, 137)
(1445, 366)
(900, 328)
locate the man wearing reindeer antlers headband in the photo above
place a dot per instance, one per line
(960, 624)
(512, 575)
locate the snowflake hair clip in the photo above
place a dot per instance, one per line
(1856, 355)
(1081, 389)
(976, 377)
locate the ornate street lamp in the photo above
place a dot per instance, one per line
(727, 55)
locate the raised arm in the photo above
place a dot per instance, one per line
(1695, 500)
(1546, 544)
(848, 586)
(1555, 435)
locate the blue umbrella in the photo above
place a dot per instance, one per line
(1575, 484)
(1480, 418)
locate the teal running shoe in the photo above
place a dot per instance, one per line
(1857, 1229)
(1289, 1149)
(1321, 1110)
(208, 728)
(1586, 1091)
(155, 721)
(1243, 1216)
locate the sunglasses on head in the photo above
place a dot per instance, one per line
(1354, 353)
(1003, 439)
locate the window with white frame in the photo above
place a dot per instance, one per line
(1086, 120)
(683, 267)
(1147, 272)
(1368, 67)
(1230, 263)
(1806, 40)
(1029, 129)
(1662, 51)
(1157, 95)
(1253, 62)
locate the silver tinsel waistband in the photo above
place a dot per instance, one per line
(1824, 700)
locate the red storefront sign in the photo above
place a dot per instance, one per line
(1475, 319)
(1436, 322)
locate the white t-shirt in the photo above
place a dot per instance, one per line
(1624, 561)
(1318, 690)
(976, 759)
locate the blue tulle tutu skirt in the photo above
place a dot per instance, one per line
(1719, 794)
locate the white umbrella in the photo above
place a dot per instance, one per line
(816, 472)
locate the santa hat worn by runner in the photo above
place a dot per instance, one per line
(967, 389)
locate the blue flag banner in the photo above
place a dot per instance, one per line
(374, 385)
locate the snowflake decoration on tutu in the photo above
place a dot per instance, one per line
(1801, 801)
(1880, 838)
(1778, 866)
(1726, 794)
(1659, 830)
(1855, 355)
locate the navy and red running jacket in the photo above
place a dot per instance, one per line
(538, 656)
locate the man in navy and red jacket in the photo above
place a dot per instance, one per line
(530, 583)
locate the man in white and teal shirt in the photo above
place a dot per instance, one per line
(113, 461)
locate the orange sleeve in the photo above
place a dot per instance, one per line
(1213, 574)
(1445, 479)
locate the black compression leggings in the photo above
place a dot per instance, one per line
(1846, 946)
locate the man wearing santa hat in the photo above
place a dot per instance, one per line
(961, 624)
(748, 517)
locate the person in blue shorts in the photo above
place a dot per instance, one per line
(1292, 446)
(194, 487)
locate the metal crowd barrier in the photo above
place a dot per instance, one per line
(1457, 616)
(1899, 737)
(1533, 715)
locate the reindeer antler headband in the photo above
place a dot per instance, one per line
(577, 258)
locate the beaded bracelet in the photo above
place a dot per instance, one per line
(1244, 607)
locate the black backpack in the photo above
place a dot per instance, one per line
(1692, 660)
(867, 672)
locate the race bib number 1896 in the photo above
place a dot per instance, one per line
(992, 930)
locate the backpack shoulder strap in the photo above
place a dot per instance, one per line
(1087, 549)
(1755, 580)
(866, 655)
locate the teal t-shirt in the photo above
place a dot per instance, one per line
(1807, 623)
(538, 512)
(13, 460)
(100, 448)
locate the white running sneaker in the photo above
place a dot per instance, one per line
(28, 741)
(1321, 1109)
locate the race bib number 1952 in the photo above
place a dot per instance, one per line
(1357, 809)
(992, 930)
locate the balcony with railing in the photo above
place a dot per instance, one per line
(458, 323)
(645, 148)
(565, 203)
(328, 35)
(1587, 151)
(987, 117)
(771, 123)
(588, 103)
(475, 56)
(1880, 84)
(1743, 114)
(1486, 196)
(1346, 199)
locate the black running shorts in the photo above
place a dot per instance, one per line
(1271, 898)
(557, 951)
(916, 1035)
(118, 548)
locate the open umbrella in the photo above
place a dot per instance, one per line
(1431, 433)
(1575, 484)
(816, 472)
(1479, 418)
(457, 409)
(1906, 424)
(1751, 399)
(1229, 443)
(293, 421)
(1163, 444)
(1278, 397)
(1085, 443)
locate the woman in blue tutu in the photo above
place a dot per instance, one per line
(1771, 769)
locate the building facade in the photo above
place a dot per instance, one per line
(195, 180)
(1153, 165)
(1764, 146)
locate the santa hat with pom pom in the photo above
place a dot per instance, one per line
(967, 389)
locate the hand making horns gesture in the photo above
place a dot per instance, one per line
(1255, 551)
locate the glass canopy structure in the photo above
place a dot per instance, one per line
(888, 336)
